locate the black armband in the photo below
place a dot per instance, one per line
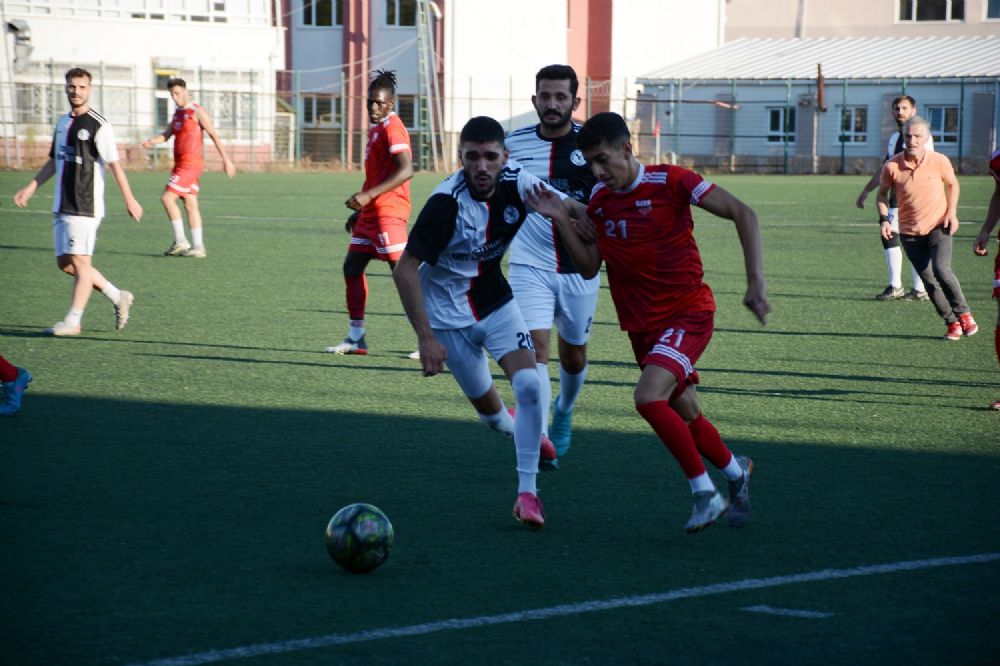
(883, 218)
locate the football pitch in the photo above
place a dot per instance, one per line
(164, 489)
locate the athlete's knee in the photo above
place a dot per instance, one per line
(573, 358)
(354, 264)
(526, 385)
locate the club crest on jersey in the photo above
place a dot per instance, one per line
(510, 214)
(83, 134)
(577, 158)
(645, 206)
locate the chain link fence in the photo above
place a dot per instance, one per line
(767, 126)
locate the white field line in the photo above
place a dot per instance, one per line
(563, 610)
(787, 612)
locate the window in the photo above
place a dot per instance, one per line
(322, 12)
(944, 123)
(931, 10)
(319, 111)
(993, 9)
(406, 109)
(853, 124)
(400, 12)
(164, 106)
(781, 124)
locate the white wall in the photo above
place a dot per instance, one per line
(492, 52)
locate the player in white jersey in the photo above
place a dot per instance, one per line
(459, 302)
(82, 146)
(904, 107)
(546, 283)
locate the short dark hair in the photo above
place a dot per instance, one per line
(607, 127)
(78, 73)
(176, 81)
(384, 79)
(909, 99)
(482, 129)
(558, 73)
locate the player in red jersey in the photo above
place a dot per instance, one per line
(642, 231)
(982, 242)
(378, 227)
(188, 127)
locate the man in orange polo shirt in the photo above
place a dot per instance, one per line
(927, 191)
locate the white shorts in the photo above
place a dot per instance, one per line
(501, 332)
(545, 297)
(74, 234)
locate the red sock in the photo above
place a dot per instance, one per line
(709, 443)
(8, 372)
(674, 434)
(996, 341)
(357, 295)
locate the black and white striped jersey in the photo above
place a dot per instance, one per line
(81, 147)
(461, 241)
(560, 164)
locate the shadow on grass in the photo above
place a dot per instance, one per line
(135, 530)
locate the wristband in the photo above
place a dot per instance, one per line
(883, 218)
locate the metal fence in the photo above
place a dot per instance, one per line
(773, 126)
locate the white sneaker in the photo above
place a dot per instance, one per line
(61, 329)
(349, 346)
(707, 507)
(177, 249)
(122, 309)
(196, 252)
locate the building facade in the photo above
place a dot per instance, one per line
(227, 50)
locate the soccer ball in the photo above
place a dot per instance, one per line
(359, 537)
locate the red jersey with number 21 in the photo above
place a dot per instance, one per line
(645, 237)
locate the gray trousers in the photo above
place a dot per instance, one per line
(931, 256)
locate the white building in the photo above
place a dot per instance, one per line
(485, 55)
(228, 51)
(756, 104)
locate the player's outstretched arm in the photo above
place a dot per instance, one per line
(159, 138)
(723, 204)
(22, 196)
(867, 189)
(131, 204)
(432, 352)
(992, 217)
(206, 124)
(576, 231)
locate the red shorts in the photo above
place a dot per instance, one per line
(184, 180)
(996, 275)
(384, 237)
(677, 346)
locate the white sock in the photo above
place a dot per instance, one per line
(113, 293)
(74, 317)
(526, 482)
(197, 239)
(733, 471)
(702, 483)
(357, 330)
(502, 421)
(569, 388)
(894, 262)
(178, 226)
(918, 284)
(527, 424)
(544, 394)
